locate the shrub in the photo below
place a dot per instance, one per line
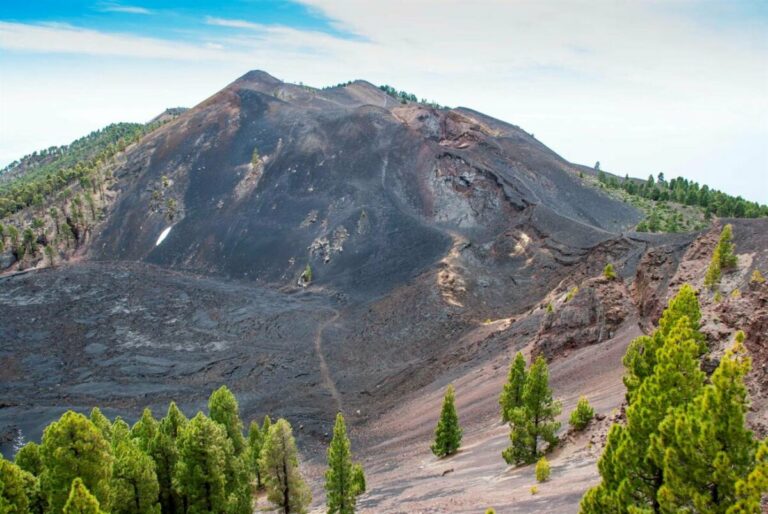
(582, 414)
(609, 272)
(542, 470)
(572, 293)
(534, 489)
(757, 277)
(550, 309)
(736, 293)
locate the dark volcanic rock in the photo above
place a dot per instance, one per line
(369, 192)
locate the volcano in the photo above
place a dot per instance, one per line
(340, 250)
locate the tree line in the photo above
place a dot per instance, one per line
(173, 465)
(685, 192)
(38, 178)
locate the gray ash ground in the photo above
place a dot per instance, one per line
(128, 335)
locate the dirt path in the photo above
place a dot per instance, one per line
(325, 375)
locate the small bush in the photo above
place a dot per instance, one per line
(542, 470)
(490, 511)
(757, 277)
(718, 297)
(609, 272)
(582, 414)
(306, 276)
(572, 293)
(736, 293)
(550, 309)
(534, 489)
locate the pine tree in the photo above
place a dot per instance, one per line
(448, 432)
(723, 258)
(13, 493)
(121, 431)
(102, 423)
(640, 359)
(712, 277)
(704, 447)
(223, 409)
(751, 490)
(286, 488)
(164, 452)
(134, 481)
(145, 430)
(630, 479)
(73, 447)
(253, 452)
(80, 500)
(512, 394)
(28, 458)
(339, 486)
(727, 248)
(200, 472)
(534, 421)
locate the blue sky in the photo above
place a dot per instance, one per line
(673, 86)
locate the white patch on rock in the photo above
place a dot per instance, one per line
(163, 235)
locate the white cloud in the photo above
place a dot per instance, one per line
(126, 9)
(59, 38)
(631, 84)
(237, 24)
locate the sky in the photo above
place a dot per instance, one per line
(674, 86)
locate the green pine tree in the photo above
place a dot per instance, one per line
(145, 430)
(723, 258)
(630, 478)
(704, 447)
(714, 271)
(134, 481)
(102, 423)
(286, 488)
(80, 500)
(727, 248)
(253, 452)
(640, 358)
(751, 490)
(73, 447)
(28, 458)
(223, 409)
(339, 485)
(512, 394)
(534, 421)
(448, 432)
(200, 474)
(13, 491)
(165, 453)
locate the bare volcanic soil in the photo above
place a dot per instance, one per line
(436, 238)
